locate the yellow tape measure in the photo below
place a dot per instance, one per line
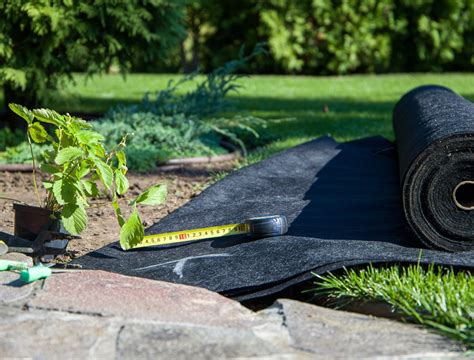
(258, 227)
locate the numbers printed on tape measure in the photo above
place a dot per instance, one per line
(256, 227)
(192, 235)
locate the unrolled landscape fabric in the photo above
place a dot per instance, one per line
(434, 128)
(344, 207)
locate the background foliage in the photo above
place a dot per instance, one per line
(338, 37)
(42, 41)
(316, 37)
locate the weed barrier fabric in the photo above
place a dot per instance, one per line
(343, 205)
(434, 128)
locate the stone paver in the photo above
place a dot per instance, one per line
(11, 289)
(95, 314)
(54, 335)
(332, 333)
(169, 341)
(109, 294)
(17, 257)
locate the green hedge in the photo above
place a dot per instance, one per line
(324, 36)
(335, 36)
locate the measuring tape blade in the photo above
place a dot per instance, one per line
(193, 235)
(265, 226)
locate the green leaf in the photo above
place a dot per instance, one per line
(78, 123)
(37, 132)
(91, 188)
(66, 140)
(98, 150)
(105, 173)
(154, 195)
(65, 192)
(16, 77)
(74, 218)
(132, 231)
(122, 160)
(68, 154)
(83, 171)
(89, 137)
(50, 169)
(121, 182)
(23, 112)
(49, 116)
(118, 212)
(47, 185)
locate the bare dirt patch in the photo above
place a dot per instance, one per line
(183, 184)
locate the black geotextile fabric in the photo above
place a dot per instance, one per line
(434, 128)
(343, 204)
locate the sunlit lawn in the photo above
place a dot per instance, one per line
(344, 107)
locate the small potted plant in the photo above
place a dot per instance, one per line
(76, 164)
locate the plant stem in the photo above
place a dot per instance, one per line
(34, 170)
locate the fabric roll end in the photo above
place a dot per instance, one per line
(463, 195)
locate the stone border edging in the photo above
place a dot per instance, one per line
(16, 167)
(170, 164)
(203, 159)
(115, 312)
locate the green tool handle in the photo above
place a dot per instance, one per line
(35, 273)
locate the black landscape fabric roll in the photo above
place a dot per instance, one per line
(344, 207)
(434, 128)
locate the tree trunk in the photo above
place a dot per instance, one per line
(184, 61)
(192, 65)
(193, 25)
(195, 61)
(17, 96)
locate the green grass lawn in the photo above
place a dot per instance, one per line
(359, 105)
(438, 298)
(356, 106)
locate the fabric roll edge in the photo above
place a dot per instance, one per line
(434, 130)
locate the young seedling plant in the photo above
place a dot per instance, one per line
(75, 164)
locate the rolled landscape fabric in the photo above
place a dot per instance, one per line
(342, 202)
(434, 130)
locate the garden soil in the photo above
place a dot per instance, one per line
(183, 184)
